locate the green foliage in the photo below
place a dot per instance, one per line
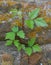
(10, 36)
(36, 48)
(14, 12)
(23, 46)
(32, 47)
(19, 14)
(40, 22)
(34, 19)
(33, 14)
(19, 48)
(15, 29)
(9, 42)
(31, 42)
(16, 43)
(21, 34)
(28, 51)
(29, 23)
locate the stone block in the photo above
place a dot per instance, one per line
(7, 59)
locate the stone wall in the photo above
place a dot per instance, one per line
(20, 58)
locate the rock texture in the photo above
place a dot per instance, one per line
(7, 59)
(10, 51)
(8, 54)
(20, 58)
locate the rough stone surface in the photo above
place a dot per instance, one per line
(21, 58)
(46, 4)
(10, 50)
(4, 27)
(34, 58)
(7, 59)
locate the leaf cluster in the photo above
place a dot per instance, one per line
(31, 22)
(35, 21)
(31, 46)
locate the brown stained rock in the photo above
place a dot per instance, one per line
(6, 17)
(24, 59)
(30, 60)
(46, 57)
(34, 58)
(7, 59)
(5, 27)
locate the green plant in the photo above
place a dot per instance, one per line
(11, 38)
(33, 19)
(16, 12)
(16, 34)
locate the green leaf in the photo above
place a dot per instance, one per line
(31, 41)
(29, 23)
(23, 46)
(19, 47)
(10, 35)
(19, 13)
(16, 43)
(8, 43)
(15, 29)
(21, 34)
(36, 48)
(14, 12)
(34, 13)
(28, 51)
(40, 22)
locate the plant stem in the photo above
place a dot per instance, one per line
(22, 22)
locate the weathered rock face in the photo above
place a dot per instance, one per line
(9, 51)
(19, 57)
(5, 27)
(12, 56)
(7, 59)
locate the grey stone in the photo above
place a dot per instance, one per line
(10, 50)
(17, 55)
(5, 27)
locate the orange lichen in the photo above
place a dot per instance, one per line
(5, 17)
(31, 34)
(38, 29)
(11, 3)
(47, 19)
(17, 22)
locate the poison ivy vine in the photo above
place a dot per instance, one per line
(11, 39)
(35, 20)
(32, 21)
